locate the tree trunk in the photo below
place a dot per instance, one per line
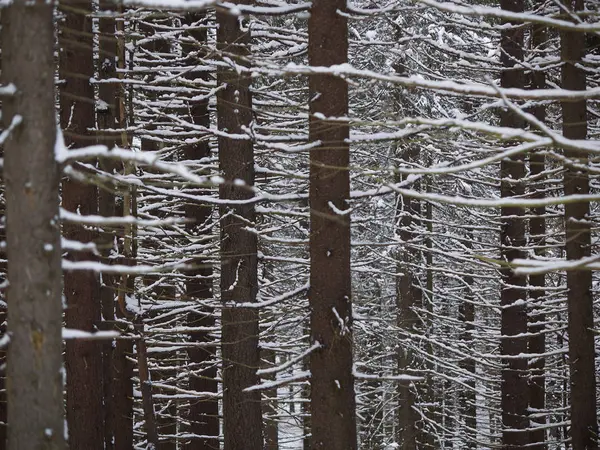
(203, 414)
(35, 400)
(537, 233)
(82, 289)
(514, 389)
(333, 418)
(107, 112)
(584, 427)
(122, 370)
(409, 296)
(242, 419)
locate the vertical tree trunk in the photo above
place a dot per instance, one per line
(409, 296)
(584, 427)
(333, 418)
(35, 401)
(203, 413)
(537, 233)
(270, 406)
(242, 419)
(122, 370)
(3, 304)
(107, 112)
(514, 389)
(82, 288)
(467, 397)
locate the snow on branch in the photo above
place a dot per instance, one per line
(300, 376)
(69, 333)
(317, 345)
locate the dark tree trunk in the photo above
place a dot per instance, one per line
(467, 396)
(3, 304)
(584, 427)
(514, 390)
(107, 111)
(35, 400)
(409, 296)
(203, 414)
(333, 418)
(270, 406)
(122, 365)
(150, 424)
(537, 233)
(82, 288)
(242, 419)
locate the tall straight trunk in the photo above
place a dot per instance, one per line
(537, 233)
(513, 341)
(3, 304)
(203, 414)
(584, 427)
(242, 419)
(467, 396)
(82, 288)
(122, 366)
(409, 296)
(35, 400)
(107, 112)
(333, 406)
(270, 405)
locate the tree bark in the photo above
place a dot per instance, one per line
(242, 419)
(514, 385)
(203, 413)
(584, 427)
(82, 288)
(537, 233)
(333, 418)
(35, 400)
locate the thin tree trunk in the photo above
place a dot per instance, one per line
(203, 414)
(584, 427)
(82, 288)
(514, 386)
(146, 390)
(242, 419)
(537, 232)
(3, 304)
(409, 296)
(467, 396)
(333, 406)
(35, 400)
(270, 406)
(123, 352)
(107, 119)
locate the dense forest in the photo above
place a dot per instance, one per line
(282, 224)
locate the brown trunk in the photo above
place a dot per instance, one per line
(467, 396)
(537, 233)
(82, 289)
(514, 389)
(107, 113)
(584, 427)
(409, 296)
(270, 406)
(122, 366)
(203, 413)
(242, 419)
(35, 401)
(333, 418)
(3, 305)
(146, 390)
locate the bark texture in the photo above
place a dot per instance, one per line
(537, 233)
(203, 414)
(514, 384)
(82, 288)
(34, 381)
(242, 419)
(333, 422)
(584, 426)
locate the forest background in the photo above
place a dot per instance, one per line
(281, 225)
